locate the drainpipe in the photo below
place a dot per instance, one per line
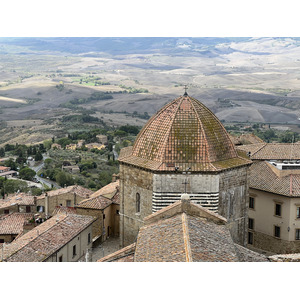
(46, 205)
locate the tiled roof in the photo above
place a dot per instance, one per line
(124, 255)
(107, 191)
(273, 151)
(184, 133)
(14, 199)
(13, 223)
(264, 176)
(63, 210)
(45, 239)
(246, 139)
(99, 202)
(186, 232)
(77, 189)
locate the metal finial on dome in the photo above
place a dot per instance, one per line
(185, 90)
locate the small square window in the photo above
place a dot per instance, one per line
(277, 231)
(251, 223)
(28, 209)
(69, 203)
(6, 211)
(277, 209)
(297, 237)
(251, 202)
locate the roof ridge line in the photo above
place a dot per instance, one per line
(171, 125)
(186, 238)
(263, 146)
(202, 129)
(35, 236)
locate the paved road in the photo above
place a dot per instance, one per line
(42, 180)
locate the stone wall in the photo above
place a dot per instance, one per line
(273, 244)
(97, 226)
(58, 200)
(234, 201)
(132, 181)
(203, 189)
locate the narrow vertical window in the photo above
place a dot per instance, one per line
(251, 202)
(298, 212)
(297, 234)
(89, 238)
(138, 203)
(250, 238)
(74, 250)
(277, 231)
(251, 223)
(277, 209)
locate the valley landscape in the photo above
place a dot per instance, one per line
(123, 81)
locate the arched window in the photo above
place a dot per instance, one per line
(138, 203)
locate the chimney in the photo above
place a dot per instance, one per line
(46, 205)
(114, 177)
(34, 200)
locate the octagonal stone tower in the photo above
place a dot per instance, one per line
(183, 148)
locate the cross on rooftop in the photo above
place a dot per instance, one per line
(185, 90)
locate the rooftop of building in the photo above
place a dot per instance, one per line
(17, 199)
(45, 239)
(75, 189)
(13, 223)
(183, 134)
(108, 190)
(185, 232)
(267, 177)
(246, 139)
(272, 151)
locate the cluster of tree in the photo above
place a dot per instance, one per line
(131, 90)
(10, 186)
(272, 135)
(83, 118)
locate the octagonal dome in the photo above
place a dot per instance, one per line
(183, 134)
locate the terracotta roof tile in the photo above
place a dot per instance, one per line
(273, 151)
(46, 239)
(264, 176)
(99, 202)
(184, 133)
(108, 191)
(77, 189)
(13, 223)
(17, 199)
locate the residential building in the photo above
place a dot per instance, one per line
(274, 197)
(19, 202)
(55, 146)
(105, 206)
(72, 169)
(7, 172)
(95, 146)
(102, 139)
(68, 196)
(62, 238)
(183, 148)
(12, 225)
(184, 232)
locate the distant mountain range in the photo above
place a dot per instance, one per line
(210, 46)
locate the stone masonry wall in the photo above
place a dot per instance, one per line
(132, 181)
(233, 202)
(273, 244)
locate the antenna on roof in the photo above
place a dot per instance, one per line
(185, 90)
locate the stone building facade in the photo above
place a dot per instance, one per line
(183, 148)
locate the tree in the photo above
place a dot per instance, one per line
(62, 178)
(27, 174)
(2, 152)
(38, 156)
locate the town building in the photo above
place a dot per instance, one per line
(105, 206)
(95, 146)
(12, 225)
(183, 148)
(274, 203)
(68, 196)
(19, 202)
(62, 238)
(55, 146)
(7, 172)
(102, 139)
(184, 232)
